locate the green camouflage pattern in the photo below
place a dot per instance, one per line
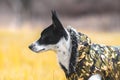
(96, 59)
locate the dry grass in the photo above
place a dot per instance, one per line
(17, 62)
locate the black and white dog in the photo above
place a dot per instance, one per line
(78, 57)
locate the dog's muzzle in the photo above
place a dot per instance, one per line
(35, 48)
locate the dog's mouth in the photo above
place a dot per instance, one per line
(34, 49)
(40, 50)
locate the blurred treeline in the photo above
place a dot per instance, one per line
(101, 15)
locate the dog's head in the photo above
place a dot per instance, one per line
(50, 36)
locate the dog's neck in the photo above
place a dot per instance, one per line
(67, 50)
(64, 52)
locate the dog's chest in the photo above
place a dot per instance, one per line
(63, 58)
(64, 53)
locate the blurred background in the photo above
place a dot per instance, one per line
(103, 15)
(21, 22)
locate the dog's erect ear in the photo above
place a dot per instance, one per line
(56, 22)
(58, 27)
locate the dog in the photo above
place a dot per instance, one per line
(77, 55)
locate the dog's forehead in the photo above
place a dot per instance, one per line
(47, 30)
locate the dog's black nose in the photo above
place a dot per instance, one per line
(30, 47)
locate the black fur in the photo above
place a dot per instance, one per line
(53, 33)
(73, 53)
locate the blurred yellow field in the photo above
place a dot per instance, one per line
(17, 62)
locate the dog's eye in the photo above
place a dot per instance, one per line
(44, 38)
(48, 40)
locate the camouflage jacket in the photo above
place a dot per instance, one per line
(88, 58)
